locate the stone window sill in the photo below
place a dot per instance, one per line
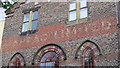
(75, 22)
(28, 32)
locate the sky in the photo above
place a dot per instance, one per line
(2, 14)
(6, 0)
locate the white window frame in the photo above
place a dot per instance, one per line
(73, 10)
(30, 21)
(80, 7)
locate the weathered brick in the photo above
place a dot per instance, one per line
(100, 28)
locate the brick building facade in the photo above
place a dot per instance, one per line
(57, 39)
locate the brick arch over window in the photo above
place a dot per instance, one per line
(85, 44)
(49, 48)
(17, 60)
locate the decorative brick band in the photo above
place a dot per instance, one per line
(60, 33)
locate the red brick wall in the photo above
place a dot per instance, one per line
(60, 33)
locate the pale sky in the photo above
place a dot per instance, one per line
(6, 0)
(2, 18)
(2, 14)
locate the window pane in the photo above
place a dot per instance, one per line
(26, 17)
(72, 16)
(25, 27)
(35, 15)
(27, 2)
(72, 5)
(36, 3)
(88, 58)
(83, 3)
(87, 53)
(49, 60)
(42, 65)
(34, 25)
(83, 13)
(49, 0)
(50, 64)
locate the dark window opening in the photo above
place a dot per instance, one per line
(17, 61)
(88, 58)
(30, 23)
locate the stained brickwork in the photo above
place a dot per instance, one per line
(100, 28)
(59, 33)
(52, 13)
(108, 49)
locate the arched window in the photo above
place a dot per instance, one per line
(50, 59)
(49, 56)
(17, 61)
(88, 58)
(87, 53)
